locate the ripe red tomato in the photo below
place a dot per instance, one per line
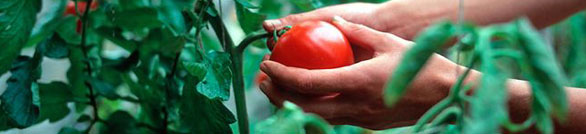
(313, 45)
(70, 9)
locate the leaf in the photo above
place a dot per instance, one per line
(54, 47)
(171, 14)
(195, 69)
(216, 83)
(246, 4)
(67, 31)
(249, 21)
(76, 77)
(307, 5)
(163, 40)
(54, 97)
(115, 35)
(291, 120)
(17, 18)
(104, 89)
(48, 21)
(136, 19)
(68, 130)
(201, 114)
(120, 122)
(84, 118)
(17, 100)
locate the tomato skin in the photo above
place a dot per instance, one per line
(313, 45)
(70, 8)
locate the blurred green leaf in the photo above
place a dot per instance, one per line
(54, 97)
(249, 21)
(104, 89)
(67, 31)
(68, 130)
(84, 118)
(121, 122)
(48, 21)
(17, 19)
(201, 114)
(291, 120)
(195, 69)
(76, 77)
(54, 47)
(115, 35)
(136, 19)
(17, 100)
(216, 83)
(307, 5)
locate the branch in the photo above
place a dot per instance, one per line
(84, 48)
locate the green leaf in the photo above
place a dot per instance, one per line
(115, 35)
(171, 14)
(54, 47)
(249, 21)
(307, 5)
(17, 18)
(104, 89)
(216, 83)
(67, 30)
(201, 114)
(54, 97)
(68, 130)
(133, 4)
(246, 4)
(136, 19)
(291, 120)
(84, 118)
(48, 22)
(76, 77)
(195, 69)
(120, 122)
(17, 100)
(163, 40)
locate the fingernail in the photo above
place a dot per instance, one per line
(263, 66)
(272, 23)
(263, 85)
(339, 20)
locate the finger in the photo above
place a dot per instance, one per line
(327, 107)
(266, 57)
(321, 81)
(270, 25)
(367, 37)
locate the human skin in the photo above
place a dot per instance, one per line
(360, 86)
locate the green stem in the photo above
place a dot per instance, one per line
(236, 67)
(249, 39)
(91, 96)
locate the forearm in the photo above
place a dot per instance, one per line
(520, 102)
(407, 17)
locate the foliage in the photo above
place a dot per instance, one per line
(168, 66)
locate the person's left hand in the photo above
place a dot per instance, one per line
(357, 89)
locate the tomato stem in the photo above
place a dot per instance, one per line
(249, 39)
(84, 48)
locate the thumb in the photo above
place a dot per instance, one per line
(366, 37)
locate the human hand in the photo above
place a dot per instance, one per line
(361, 13)
(356, 90)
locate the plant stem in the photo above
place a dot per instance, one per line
(249, 39)
(84, 48)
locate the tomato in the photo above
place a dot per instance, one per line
(80, 6)
(261, 76)
(313, 45)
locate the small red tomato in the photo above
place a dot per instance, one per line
(79, 26)
(70, 9)
(313, 45)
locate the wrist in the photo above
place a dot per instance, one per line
(406, 18)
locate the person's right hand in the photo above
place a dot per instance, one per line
(361, 13)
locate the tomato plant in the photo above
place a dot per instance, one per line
(175, 66)
(313, 45)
